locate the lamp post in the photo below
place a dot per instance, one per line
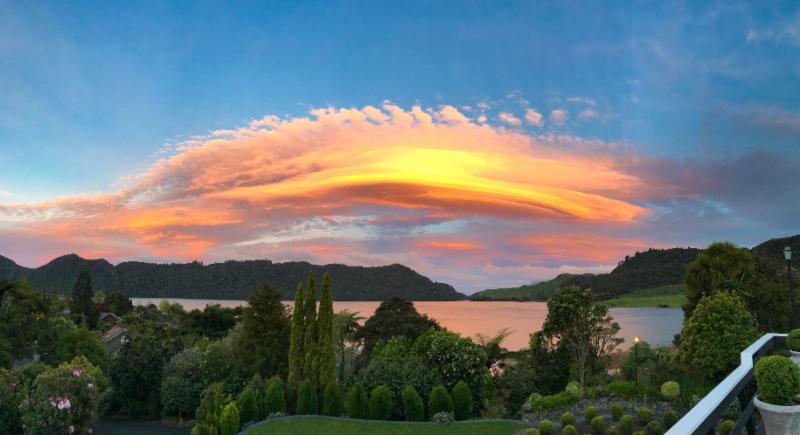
(636, 356)
(787, 254)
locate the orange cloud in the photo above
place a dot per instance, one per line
(450, 245)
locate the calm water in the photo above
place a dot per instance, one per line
(654, 325)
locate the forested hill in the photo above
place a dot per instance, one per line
(229, 280)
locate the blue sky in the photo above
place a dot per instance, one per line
(97, 92)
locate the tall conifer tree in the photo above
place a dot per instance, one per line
(310, 369)
(325, 348)
(82, 295)
(296, 354)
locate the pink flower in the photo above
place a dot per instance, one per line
(64, 404)
(71, 429)
(76, 372)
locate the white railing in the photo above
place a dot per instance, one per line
(702, 418)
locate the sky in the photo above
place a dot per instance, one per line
(483, 144)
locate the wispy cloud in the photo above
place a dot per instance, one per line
(534, 118)
(558, 116)
(509, 118)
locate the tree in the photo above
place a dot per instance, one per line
(179, 397)
(493, 346)
(13, 391)
(345, 325)
(208, 414)
(229, 419)
(310, 368)
(380, 403)
(296, 354)
(83, 299)
(462, 401)
(583, 326)
(21, 311)
(262, 346)
(413, 408)
(454, 358)
(357, 403)
(392, 317)
(332, 400)
(307, 398)
(81, 341)
(721, 266)
(248, 405)
(718, 330)
(439, 401)
(325, 350)
(118, 303)
(274, 400)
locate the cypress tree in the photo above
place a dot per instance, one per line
(332, 400)
(307, 398)
(413, 408)
(82, 295)
(274, 400)
(357, 402)
(462, 401)
(310, 370)
(296, 354)
(325, 348)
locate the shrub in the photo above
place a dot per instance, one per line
(626, 425)
(589, 413)
(462, 401)
(357, 403)
(413, 408)
(439, 401)
(332, 400)
(567, 419)
(212, 403)
(670, 390)
(532, 431)
(616, 411)
(575, 390)
(229, 420)
(612, 430)
(598, 424)
(274, 399)
(307, 398)
(654, 428)
(623, 389)
(569, 430)
(670, 418)
(12, 390)
(726, 427)
(64, 397)
(717, 331)
(443, 417)
(644, 416)
(793, 340)
(553, 402)
(546, 427)
(380, 403)
(179, 396)
(247, 405)
(778, 379)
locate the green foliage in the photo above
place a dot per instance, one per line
(82, 299)
(778, 380)
(332, 400)
(66, 396)
(583, 326)
(624, 389)
(643, 416)
(616, 411)
(179, 396)
(357, 402)
(117, 303)
(721, 266)
(247, 404)
(209, 413)
(590, 413)
(81, 341)
(310, 361)
(439, 401)
(718, 330)
(296, 354)
(569, 430)
(670, 390)
(532, 431)
(670, 418)
(612, 430)
(12, 391)
(380, 403)
(575, 390)
(540, 291)
(567, 419)
(726, 427)
(325, 350)
(262, 346)
(229, 420)
(546, 427)
(307, 398)
(393, 317)
(274, 399)
(793, 340)
(654, 428)
(598, 425)
(462, 401)
(413, 407)
(626, 425)
(553, 402)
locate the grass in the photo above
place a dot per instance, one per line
(673, 296)
(302, 425)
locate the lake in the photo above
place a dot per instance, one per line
(654, 325)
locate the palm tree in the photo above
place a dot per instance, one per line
(345, 325)
(493, 346)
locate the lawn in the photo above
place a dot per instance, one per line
(668, 295)
(321, 425)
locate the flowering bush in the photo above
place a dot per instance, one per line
(65, 399)
(443, 418)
